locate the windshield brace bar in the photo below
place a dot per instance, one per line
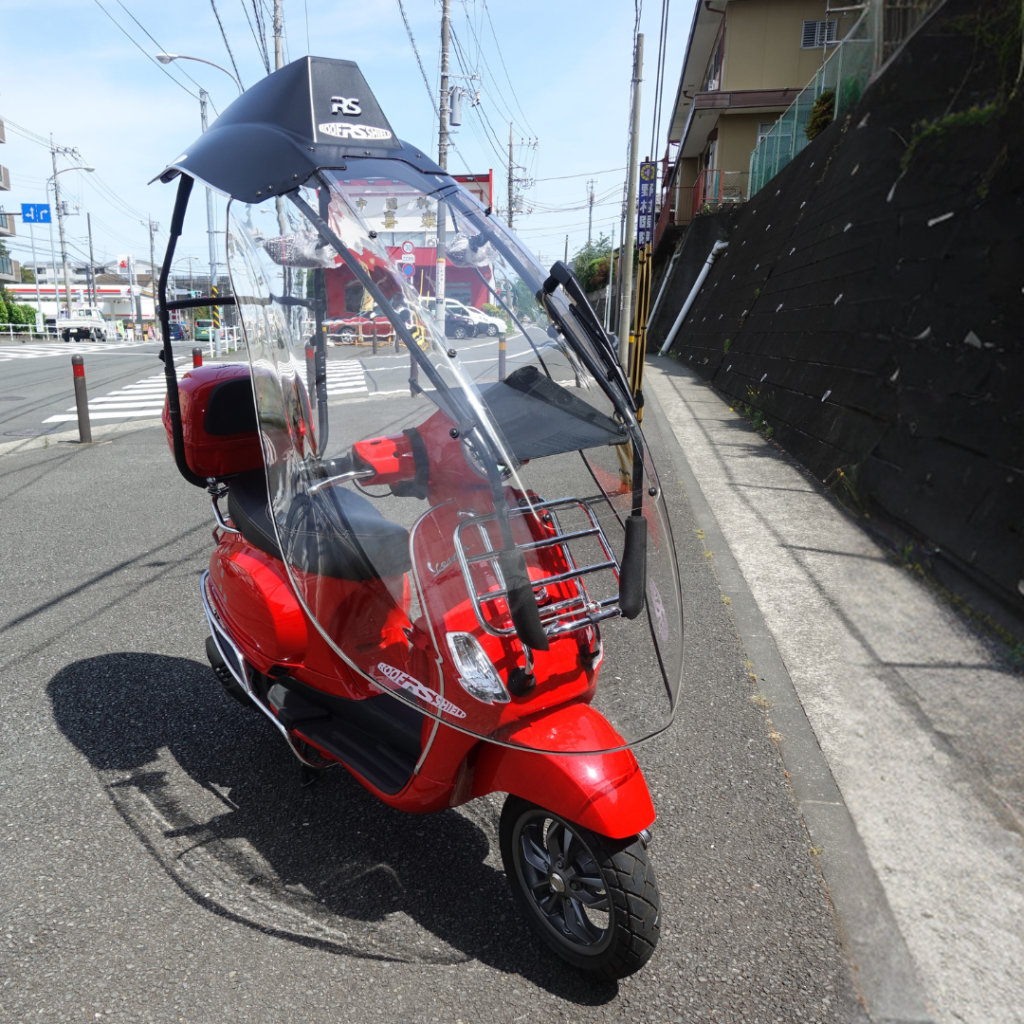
(203, 300)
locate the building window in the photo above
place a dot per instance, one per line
(763, 129)
(713, 76)
(814, 34)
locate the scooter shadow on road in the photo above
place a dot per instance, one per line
(213, 794)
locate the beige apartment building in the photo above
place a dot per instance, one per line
(745, 63)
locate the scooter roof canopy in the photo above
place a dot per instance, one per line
(314, 112)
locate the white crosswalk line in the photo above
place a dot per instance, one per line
(53, 350)
(143, 399)
(346, 377)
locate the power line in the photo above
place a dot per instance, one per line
(497, 46)
(584, 174)
(419, 62)
(142, 49)
(224, 36)
(148, 56)
(261, 39)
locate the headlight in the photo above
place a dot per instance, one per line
(477, 675)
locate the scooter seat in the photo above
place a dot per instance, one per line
(332, 533)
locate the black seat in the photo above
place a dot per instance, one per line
(332, 533)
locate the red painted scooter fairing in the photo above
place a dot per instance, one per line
(480, 541)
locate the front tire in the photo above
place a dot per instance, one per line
(592, 900)
(492, 330)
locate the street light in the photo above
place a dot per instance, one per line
(60, 223)
(166, 58)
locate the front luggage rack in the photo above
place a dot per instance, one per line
(574, 612)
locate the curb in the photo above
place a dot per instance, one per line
(883, 970)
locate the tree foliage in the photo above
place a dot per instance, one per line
(591, 263)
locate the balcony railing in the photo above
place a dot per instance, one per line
(845, 74)
(714, 189)
(883, 27)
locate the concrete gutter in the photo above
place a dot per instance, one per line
(883, 706)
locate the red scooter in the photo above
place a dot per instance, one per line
(450, 572)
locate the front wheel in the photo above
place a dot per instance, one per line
(592, 900)
(492, 330)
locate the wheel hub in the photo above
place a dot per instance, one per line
(556, 882)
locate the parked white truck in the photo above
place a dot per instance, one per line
(86, 324)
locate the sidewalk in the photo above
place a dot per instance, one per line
(920, 722)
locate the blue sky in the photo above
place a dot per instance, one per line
(559, 68)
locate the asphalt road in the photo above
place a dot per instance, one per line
(161, 860)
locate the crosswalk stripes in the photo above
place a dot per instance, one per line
(143, 399)
(346, 377)
(9, 352)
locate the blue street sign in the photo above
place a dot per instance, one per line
(35, 213)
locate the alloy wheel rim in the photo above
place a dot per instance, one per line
(563, 883)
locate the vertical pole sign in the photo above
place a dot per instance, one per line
(645, 203)
(31, 214)
(645, 196)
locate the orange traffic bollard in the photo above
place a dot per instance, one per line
(81, 400)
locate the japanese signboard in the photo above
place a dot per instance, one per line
(645, 204)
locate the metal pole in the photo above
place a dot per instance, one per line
(133, 283)
(35, 273)
(53, 267)
(60, 228)
(203, 96)
(608, 289)
(152, 266)
(81, 400)
(511, 170)
(590, 209)
(630, 237)
(197, 356)
(94, 299)
(442, 160)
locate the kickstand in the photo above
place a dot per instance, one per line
(310, 776)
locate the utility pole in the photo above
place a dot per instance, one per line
(152, 264)
(511, 173)
(278, 37)
(282, 223)
(567, 248)
(629, 241)
(211, 236)
(442, 161)
(60, 228)
(95, 299)
(590, 208)
(608, 325)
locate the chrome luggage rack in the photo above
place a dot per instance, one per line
(559, 618)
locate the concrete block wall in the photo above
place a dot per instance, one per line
(872, 308)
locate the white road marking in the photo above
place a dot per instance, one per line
(143, 399)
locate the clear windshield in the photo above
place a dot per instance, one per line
(450, 492)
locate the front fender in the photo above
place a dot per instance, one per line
(606, 793)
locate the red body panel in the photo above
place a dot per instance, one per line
(369, 621)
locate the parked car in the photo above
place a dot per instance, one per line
(483, 323)
(365, 327)
(177, 332)
(458, 326)
(203, 328)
